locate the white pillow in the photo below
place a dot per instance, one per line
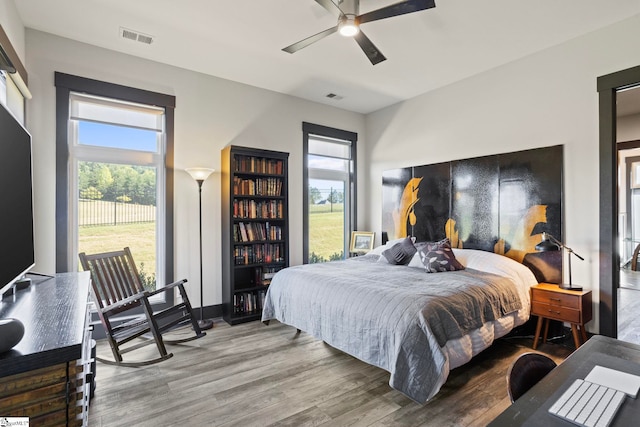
(494, 263)
(416, 261)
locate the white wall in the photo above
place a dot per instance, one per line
(544, 99)
(210, 114)
(12, 25)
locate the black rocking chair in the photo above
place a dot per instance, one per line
(116, 288)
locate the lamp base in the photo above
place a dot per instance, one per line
(205, 324)
(569, 287)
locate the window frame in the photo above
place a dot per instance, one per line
(328, 132)
(65, 85)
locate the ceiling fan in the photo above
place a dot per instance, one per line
(349, 23)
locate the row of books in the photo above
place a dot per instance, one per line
(253, 231)
(257, 187)
(254, 254)
(253, 209)
(258, 165)
(248, 302)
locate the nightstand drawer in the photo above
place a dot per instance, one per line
(556, 312)
(555, 298)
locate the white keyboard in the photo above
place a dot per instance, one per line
(588, 404)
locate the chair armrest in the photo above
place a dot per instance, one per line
(167, 287)
(128, 300)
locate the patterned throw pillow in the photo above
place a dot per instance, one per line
(433, 246)
(438, 257)
(400, 253)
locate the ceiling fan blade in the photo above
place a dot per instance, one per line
(330, 6)
(369, 48)
(396, 9)
(309, 40)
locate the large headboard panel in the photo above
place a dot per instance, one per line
(500, 203)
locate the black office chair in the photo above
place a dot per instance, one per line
(526, 371)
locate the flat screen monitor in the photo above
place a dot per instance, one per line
(17, 251)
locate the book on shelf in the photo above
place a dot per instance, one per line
(243, 232)
(248, 302)
(262, 209)
(258, 253)
(253, 164)
(251, 232)
(270, 186)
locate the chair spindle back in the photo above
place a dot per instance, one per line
(115, 276)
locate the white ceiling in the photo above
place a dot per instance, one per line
(241, 40)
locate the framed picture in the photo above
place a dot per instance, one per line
(361, 241)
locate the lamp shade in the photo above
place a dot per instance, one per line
(547, 245)
(199, 174)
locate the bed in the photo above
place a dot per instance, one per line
(415, 325)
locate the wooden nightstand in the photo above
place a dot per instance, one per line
(550, 302)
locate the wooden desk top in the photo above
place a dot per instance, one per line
(531, 409)
(53, 312)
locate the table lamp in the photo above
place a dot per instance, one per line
(550, 243)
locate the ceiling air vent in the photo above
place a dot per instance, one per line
(135, 36)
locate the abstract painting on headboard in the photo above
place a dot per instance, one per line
(500, 203)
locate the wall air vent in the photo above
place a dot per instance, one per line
(135, 36)
(334, 96)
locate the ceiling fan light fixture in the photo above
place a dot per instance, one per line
(349, 20)
(348, 26)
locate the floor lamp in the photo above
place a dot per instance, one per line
(200, 175)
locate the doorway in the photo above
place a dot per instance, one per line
(629, 212)
(628, 147)
(612, 89)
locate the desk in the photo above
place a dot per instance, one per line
(43, 376)
(531, 409)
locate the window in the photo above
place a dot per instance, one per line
(115, 156)
(3, 88)
(13, 85)
(635, 175)
(11, 96)
(329, 192)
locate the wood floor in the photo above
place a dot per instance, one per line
(257, 375)
(629, 306)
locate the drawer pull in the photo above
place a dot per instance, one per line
(556, 312)
(555, 299)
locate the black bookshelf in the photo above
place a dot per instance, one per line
(255, 228)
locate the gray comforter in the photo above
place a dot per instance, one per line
(393, 317)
